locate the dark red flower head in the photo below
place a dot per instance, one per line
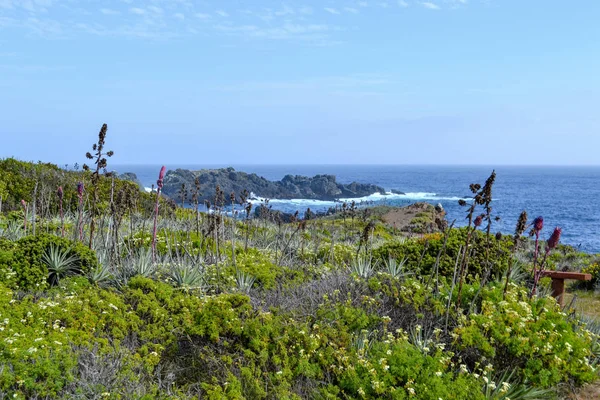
(554, 239)
(538, 224)
(161, 176)
(478, 221)
(59, 192)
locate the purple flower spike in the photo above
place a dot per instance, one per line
(538, 224)
(161, 176)
(554, 239)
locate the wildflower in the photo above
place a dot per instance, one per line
(478, 221)
(80, 189)
(111, 305)
(59, 192)
(554, 239)
(411, 391)
(538, 225)
(521, 225)
(161, 177)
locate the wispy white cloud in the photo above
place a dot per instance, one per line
(317, 34)
(286, 20)
(430, 5)
(137, 11)
(109, 11)
(155, 9)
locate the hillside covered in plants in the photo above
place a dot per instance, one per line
(108, 292)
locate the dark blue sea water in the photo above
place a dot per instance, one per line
(568, 197)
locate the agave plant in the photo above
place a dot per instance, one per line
(142, 264)
(362, 341)
(506, 386)
(187, 276)
(244, 281)
(395, 268)
(422, 339)
(100, 275)
(362, 266)
(13, 231)
(60, 263)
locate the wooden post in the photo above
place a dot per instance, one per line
(558, 282)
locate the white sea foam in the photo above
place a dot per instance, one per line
(375, 197)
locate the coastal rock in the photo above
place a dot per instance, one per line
(319, 187)
(396, 191)
(131, 177)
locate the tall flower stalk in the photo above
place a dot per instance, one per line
(538, 225)
(80, 211)
(159, 186)
(551, 244)
(521, 226)
(99, 158)
(24, 205)
(60, 195)
(483, 197)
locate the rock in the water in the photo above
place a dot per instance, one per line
(131, 177)
(319, 187)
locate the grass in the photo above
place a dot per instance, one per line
(587, 302)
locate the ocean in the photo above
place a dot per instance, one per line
(567, 197)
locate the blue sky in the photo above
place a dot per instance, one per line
(302, 82)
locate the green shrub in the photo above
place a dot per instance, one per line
(25, 260)
(594, 270)
(417, 250)
(532, 337)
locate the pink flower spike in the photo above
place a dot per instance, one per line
(161, 176)
(554, 239)
(538, 224)
(24, 203)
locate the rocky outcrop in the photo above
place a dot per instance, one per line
(319, 187)
(131, 177)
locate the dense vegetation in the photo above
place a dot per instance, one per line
(210, 306)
